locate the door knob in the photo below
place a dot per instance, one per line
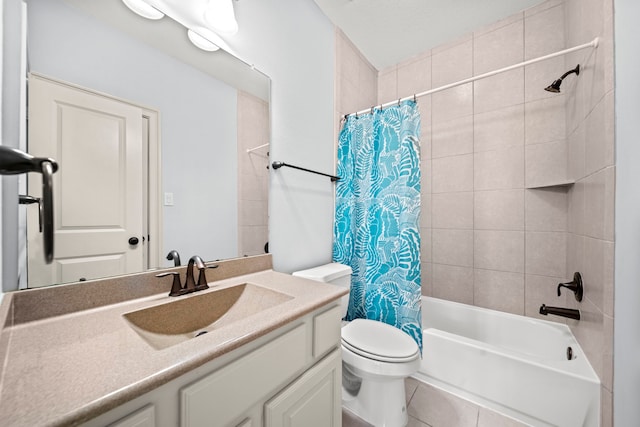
(133, 241)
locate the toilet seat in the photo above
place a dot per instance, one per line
(379, 341)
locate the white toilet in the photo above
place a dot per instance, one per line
(376, 358)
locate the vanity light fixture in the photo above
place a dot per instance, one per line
(201, 42)
(144, 9)
(203, 19)
(219, 14)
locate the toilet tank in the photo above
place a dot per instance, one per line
(334, 273)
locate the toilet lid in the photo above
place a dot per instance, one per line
(377, 340)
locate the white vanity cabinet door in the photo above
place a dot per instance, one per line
(313, 400)
(145, 417)
(225, 395)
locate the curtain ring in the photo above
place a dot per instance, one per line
(372, 109)
(414, 98)
(399, 99)
(356, 114)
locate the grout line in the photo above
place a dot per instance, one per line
(473, 171)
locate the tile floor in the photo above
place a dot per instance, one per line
(431, 407)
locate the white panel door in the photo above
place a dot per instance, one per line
(98, 189)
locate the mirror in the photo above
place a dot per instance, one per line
(212, 108)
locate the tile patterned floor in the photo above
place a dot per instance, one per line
(431, 407)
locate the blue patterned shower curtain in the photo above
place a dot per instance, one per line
(377, 219)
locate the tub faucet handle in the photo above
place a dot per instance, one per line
(575, 286)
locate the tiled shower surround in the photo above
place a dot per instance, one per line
(501, 224)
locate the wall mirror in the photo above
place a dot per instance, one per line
(210, 194)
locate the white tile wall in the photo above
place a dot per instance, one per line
(499, 169)
(452, 103)
(453, 247)
(452, 64)
(546, 209)
(452, 210)
(545, 120)
(590, 137)
(499, 210)
(452, 137)
(546, 163)
(499, 250)
(499, 129)
(453, 283)
(453, 173)
(499, 290)
(499, 91)
(546, 253)
(544, 32)
(499, 48)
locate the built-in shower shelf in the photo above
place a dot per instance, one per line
(560, 184)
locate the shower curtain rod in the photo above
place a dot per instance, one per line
(593, 43)
(278, 165)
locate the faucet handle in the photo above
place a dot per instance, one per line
(575, 286)
(176, 286)
(202, 278)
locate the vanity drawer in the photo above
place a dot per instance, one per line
(144, 417)
(326, 331)
(224, 395)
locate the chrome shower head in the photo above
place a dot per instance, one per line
(555, 86)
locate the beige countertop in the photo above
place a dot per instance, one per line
(64, 368)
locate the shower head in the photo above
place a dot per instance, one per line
(555, 86)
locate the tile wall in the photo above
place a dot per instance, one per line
(497, 229)
(253, 131)
(489, 239)
(590, 218)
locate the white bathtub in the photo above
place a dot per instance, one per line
(513, 364)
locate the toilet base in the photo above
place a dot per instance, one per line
(380, 402)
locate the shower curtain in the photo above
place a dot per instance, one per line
(377, 215)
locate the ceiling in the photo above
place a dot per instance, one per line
(170, 36)
(389, 31)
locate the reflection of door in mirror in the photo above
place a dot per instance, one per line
(101, 197)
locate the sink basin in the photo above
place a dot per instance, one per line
(187, 317)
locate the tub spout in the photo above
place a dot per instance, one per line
(560, 311)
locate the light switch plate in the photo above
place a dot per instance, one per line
(168, 199)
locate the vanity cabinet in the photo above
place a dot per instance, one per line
(312, 400)
(291, 376)
(226, 394)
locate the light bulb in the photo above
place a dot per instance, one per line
(219, 14)
(143, 9)
(201, 42)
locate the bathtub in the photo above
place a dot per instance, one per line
(515, 365)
